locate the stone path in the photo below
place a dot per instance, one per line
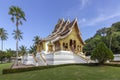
(20, 65)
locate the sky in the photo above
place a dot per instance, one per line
(43, 15)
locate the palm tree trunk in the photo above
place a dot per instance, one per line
(2, 45)
(17, 52)
(17, 44)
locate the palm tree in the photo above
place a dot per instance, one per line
(32, 49)
(36, 39)
(23, 50)
(17, 16)
(17, 35)
(3, 36)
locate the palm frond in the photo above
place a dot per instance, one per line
(17, 35)
(3, 34)
(17, 14)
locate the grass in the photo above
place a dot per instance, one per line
(72, 72)
(2, 66)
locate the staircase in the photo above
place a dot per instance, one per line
(56, 58)
(40, 59)
(63, 57)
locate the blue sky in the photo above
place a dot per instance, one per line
(42, 16)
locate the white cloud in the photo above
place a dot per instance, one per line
(75, 10)
(83, 3)
(82, 20)
(100, 18)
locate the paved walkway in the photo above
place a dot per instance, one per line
(20, 65)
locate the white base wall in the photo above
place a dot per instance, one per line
(63, 57)
(56, 58)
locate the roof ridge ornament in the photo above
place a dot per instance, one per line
(68, 20)
(63, 19)
(76, 19)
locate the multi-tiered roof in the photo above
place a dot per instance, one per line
(63, 29)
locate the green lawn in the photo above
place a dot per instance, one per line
(73, 72)
(2, 66)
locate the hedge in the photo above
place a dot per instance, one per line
(18, 70)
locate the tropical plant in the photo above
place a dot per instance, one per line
(110, 33)
(3, 36)
(9, 54)
(91, 44)
(101, 53)
(23, 50)
(32, 49)
(2, 56)
(36, 39)
(110, 36)
(17, 35)
(102, 32)
(17, 16)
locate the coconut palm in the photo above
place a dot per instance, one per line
(3, 36)
(17, 16)
(36, 39)
(23, 50)
(32, 49)
(17, 35)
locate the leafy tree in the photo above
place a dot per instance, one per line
(9, 54)
(2, 56)
(101, 53)
(3, 36)
(17, 16)
(116, 26)
(110, 36)
(102, 32)
(110, 33)
(91, 44)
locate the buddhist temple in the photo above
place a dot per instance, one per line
(63, 46)
(66, 36)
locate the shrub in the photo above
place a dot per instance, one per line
(101, 53)
(18, 70)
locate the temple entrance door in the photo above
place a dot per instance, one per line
(72, 45)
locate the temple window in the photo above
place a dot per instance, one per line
(65, 46)
(70, 42)
(74, 44)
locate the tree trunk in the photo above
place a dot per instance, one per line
(1, 42)
(17, 52)
(17, 44)
(110, 42)
(2, 45)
